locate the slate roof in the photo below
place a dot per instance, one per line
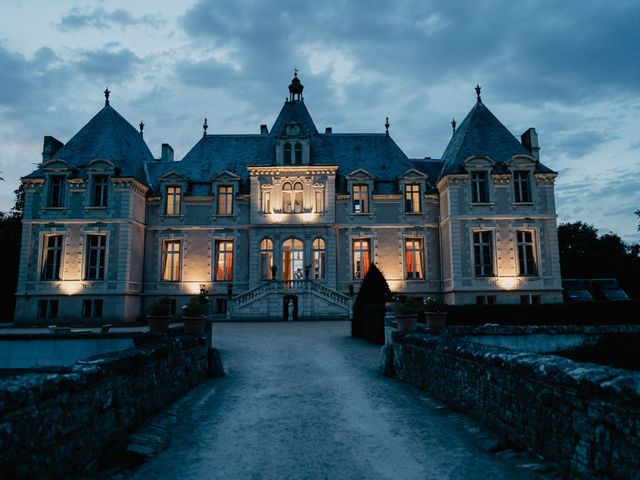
(293, 112)
(481, 133)
(107, 136)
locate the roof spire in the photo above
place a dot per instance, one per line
(204, 128)
(453, 124)
(478, 92)
(141, 126)
(295, 88)
(106, 96)
(387, 125)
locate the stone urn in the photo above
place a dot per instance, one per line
(406, 322)
(436, 319)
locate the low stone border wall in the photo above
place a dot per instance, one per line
(53, 425)
(583, 416)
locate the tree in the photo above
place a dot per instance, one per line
(637, 212)
(373, 291)
(10, 237)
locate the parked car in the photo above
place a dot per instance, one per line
(575, 290)
(606, 289)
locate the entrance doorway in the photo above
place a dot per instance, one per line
(290, 308)
(292, 260)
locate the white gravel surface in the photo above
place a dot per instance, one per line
(306, 401)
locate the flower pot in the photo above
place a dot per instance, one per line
(194, 325)
(158, 323)
(407, 322)
(436, 319)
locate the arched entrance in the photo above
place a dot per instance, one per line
(292, 259)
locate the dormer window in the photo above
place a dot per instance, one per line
(225, 200)
(298, 154)
(287, 154)
(479, 187)
(100, 191)
(521, 187)
(412, 198)
(174, 199)
(292, 197)
(360, 198)
(57, 190)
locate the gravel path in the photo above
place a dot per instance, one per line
(305, 401)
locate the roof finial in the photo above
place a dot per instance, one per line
(295, 71)
(387, 125)
(106, 96)
(453, 124)
(295, 88)
(141, 126)
(204, 128)
(478, 92)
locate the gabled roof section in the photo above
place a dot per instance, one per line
(109, 136)
(481, 133)
(293, 111)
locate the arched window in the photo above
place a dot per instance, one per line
(287, 154)
(287, 205)
(292, 259)
(298, 197)
(319, 258)
(298, 152)
(266, 258)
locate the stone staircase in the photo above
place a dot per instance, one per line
(266, 301)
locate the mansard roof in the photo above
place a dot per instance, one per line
(108, 136)
(294, 111)
(481, 133)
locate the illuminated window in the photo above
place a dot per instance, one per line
(171, 253)
(483, 253)
(225, 200)
(412, 198)
(298, 197)
(292, 259)
(266, 201)
(522, 193)
(174, 196)
(360, 198)
(413, 258)
(52, 257)
(100, 194)
(224, 261)
(287, 154)
(319, 201)
(298, 154)
(526, 253)
(292, 197)
(361, 258)
(266, 259)
(479, 187)
(57, 190)
(319, 258)
(96, 256)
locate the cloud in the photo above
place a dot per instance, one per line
(99, 18)
(579, 144)
(108, 63)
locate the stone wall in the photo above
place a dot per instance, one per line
(583, 416)
(53, 425)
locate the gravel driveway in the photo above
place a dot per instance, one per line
(305, 401)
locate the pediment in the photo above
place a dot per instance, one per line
(226, 176)
(56, 164)
(522, 161)
(414, 174)
(100, 164)
(478, 161)
(173, 176)
(360, 173)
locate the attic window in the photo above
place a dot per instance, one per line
(287, 154)
(298, 153)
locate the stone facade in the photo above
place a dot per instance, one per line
(108, 229)
(583, 416)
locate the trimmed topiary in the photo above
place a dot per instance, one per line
(373, 291)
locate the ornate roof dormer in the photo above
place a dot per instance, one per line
(295, 88)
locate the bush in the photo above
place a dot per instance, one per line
(374, 290)
(373, 315)
(197, 306)
(161, 307)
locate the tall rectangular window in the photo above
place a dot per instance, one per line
(361, 258)
(171, 260)
(57, 190)
(47, 309)
(526, 253)
(92, 308)
(413, 259)
(174, 199)
(225, 200)
(521, 190)
(100, 194)
(319, 201)
(479, 187)
(96, 256)
(360, 198)
(412, 198)
(224, 261)
(52, 257)
(483, 253)
(266, 201)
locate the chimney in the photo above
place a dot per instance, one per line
(530, 142)
(167, 153)
(50, 147)
(264, 130)
(328, 130)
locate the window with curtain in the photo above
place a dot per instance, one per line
(266, 258)
(361, 257)
(413, 259)
(224, 261)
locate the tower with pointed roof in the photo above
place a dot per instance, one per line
(284, 223)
